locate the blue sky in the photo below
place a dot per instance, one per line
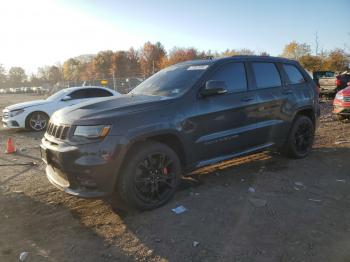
(58, 30)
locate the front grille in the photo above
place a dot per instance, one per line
(57, 131)
(346, 98)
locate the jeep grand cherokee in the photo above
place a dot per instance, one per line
(184, 117)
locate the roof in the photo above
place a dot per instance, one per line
(238, 57)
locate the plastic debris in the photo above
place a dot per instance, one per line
(299, 186)
(23, 256)
(258, 202)
(343, 141)
(178, 210)
(315, 200)
(195, 243)
(341, 180)
(251, 189)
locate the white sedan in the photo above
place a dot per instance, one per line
(35, 114)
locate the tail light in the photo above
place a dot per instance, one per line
(337, 82)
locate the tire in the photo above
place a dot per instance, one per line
(300, 138)
(150, 176)
(37, 121)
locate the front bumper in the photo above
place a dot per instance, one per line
(340, 107)
(88, 170)
(13, 122)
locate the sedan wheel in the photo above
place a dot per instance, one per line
(37, 121)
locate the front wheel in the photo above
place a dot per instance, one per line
(301, 138)
(37, 121)
(150, 176)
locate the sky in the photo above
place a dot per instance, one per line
(34, 33)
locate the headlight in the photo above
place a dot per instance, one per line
(16, 112)
(92, 131)
(339, 96)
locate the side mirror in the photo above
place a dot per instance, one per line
(66, 98)
(214, 87)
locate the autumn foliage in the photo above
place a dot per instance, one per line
(152, 57)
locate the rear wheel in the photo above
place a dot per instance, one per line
(37, 121)
(301, 138)
(150, 177)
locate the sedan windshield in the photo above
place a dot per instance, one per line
(57, 95)
(171, 81)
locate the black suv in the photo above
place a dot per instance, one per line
(184, 117)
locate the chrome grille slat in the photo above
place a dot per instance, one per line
(57, 131)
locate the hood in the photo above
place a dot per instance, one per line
(346, 91)
(26, 104)
(108, 108)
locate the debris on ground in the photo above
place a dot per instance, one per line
(257, 202)
(343, 141)
(299, 186)
(23, 256)
(341, 180)
(195, 243)
(21, 164)
(251, 189)
(315, 200)
(178, 210)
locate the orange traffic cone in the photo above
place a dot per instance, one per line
(10, 149)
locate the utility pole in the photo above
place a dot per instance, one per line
(316, 43)
(113, 81)
(153, 67)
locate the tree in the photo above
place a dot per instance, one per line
(16, 76)
(3, 77)
(233, 52)
(178, 55)
(103, 64)
(120, 64)
(337, 60)
(296, 50)
(311, 63)
(72, 70)
(152, 56)
(134, 62)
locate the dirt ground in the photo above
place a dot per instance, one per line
(298, 212)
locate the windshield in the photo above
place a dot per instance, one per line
(171, 81)
(57, 95)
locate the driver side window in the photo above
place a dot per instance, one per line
(234, 75)
(79, 94)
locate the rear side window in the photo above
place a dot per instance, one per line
(234, 75)
(294, 75)
(266, 75)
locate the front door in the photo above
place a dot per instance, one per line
(224, 123)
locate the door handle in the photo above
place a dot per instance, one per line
(248, 98)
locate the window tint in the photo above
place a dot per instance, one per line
(234, 75)
(96, 92)
(266, 75)
(294, 75)
(79, 94)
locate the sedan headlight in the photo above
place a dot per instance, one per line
(92, 131)
(15, 112)
(339, 96)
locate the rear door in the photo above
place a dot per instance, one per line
(224, 123)
(271, 98)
